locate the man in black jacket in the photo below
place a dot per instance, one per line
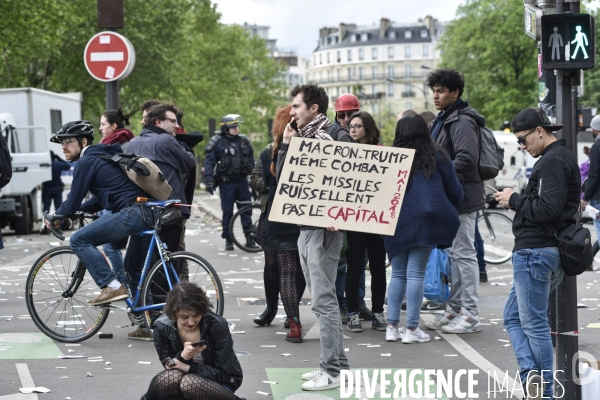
(548, 203)
(456, 129)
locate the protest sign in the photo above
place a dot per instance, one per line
(349, 186)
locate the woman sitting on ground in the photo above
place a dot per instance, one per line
(208, 371)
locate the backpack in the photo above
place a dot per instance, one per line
(143, 173)
(491, 156)
(5, 163)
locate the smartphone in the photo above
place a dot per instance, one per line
(294, 125)
(199, 343)
(494, 189)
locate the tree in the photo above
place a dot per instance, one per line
(592, 77)
(487, 44)
(183, 55)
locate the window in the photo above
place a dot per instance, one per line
(320, 76)
(328, 61)
(55, 120)
(425, 50)
(328, 76)
(390, 90)
(407, 70)
(320, 59)
(391, 71)
(374, 72)
(353, 38)
(391, 52)
(408, 104)
(339, 56)
(374, 90)
(406, 51)
(364, 37)
(349, 55)
(361, 54)
(408, 90)
(407, 34)
(361, 71)
(392, 35)
(349, 76)
(315, 60)
(337, 91)
(423, 33)
(374, 53)
(339, 75)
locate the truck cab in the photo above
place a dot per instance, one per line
(31, 165)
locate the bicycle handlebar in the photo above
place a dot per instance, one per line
(79, 215)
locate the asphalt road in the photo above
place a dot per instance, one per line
(28, 358)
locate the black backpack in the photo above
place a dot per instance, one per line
(336, 132)
(5, 162)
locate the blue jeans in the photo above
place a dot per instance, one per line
(408, 276)
(107, 229)
(114, 255)
(536, 273)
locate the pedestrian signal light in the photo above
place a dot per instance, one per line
(568, 41)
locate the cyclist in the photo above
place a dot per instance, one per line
(112, 190)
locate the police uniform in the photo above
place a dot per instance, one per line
(229, 161)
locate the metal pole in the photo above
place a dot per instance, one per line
(112, 95)
(567, 346)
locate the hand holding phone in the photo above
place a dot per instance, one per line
(199, 343)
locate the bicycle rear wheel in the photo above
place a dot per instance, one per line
(57, 290)
(236, 230)
(498, 239)
(193, 269)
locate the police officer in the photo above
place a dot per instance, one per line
(229, 161)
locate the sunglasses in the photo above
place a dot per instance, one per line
(343, 115)
(521, 140)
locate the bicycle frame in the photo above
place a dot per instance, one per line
(164, 258)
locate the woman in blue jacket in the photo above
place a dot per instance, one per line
(428, 218)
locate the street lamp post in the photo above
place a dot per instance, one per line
(422, 90)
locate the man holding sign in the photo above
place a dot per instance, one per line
(319, 247)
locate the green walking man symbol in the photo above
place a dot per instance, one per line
(580, 38)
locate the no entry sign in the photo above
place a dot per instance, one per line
(109, 56)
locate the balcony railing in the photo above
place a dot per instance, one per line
(369, 78)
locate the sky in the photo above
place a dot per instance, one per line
(296, 24)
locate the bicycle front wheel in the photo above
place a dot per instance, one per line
(236, 228)
(498, 239)
(57, 290)
(190, 267)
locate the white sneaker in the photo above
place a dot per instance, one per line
(463, 323)
(322, 381)
(309, 375)
(440, 320)
(391, 334)
(417, 336)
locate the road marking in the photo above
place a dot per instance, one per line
(26, 381)
(482, 363)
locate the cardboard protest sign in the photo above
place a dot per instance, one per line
(349, 186)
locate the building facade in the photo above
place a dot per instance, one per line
(297, 66)
(384, 66)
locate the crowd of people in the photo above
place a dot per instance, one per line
(444, 193)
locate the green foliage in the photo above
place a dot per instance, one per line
(487, 43)
(183, 55)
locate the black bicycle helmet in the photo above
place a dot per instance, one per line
(78, 129)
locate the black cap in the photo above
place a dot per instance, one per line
(531, 118)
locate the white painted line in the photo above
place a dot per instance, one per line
(483, 364)
(107, 56)
(24, 375)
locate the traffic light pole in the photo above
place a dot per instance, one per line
(567, 343)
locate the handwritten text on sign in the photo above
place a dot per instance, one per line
(350, 186)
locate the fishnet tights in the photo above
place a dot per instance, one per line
(174, 384)
(292, 281)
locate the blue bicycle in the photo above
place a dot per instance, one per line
(58, 285)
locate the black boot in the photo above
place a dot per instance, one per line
(269, 314)
(250, 243)
(228, 244)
